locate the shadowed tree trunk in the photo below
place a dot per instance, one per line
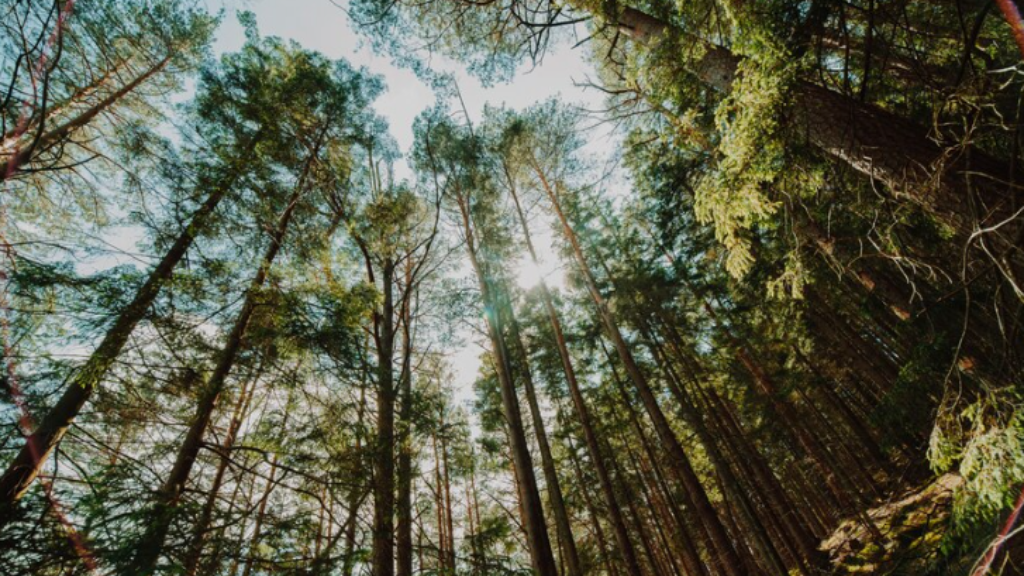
(554, 488)
(874, 142)
(539, 545)
(22, 471)
(384, 449)
(625, 547)
(403, 537)
(152, 543)
(724, 553)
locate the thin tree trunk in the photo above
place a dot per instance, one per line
(403, 537)
(554, 488)
(776, 501)
(875, 142)
(541, 556)
(261, 514)
(449, 512)
(475, 506)
(195, 551)
(168, 497)
(625, 547)
(384, 450)
(595, 520)
(684, 538)
(728, 481)
(22, 471)
(654, 505)
(348, 564)
(442, 525)
(725, 555)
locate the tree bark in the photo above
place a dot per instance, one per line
(403, 537)
(384, 449)
(725, 555)
(206, 515)
(170, 493)
(555, 498)
(449, 511)
(541, 556)
(25, 467)
(873, 141)
(625, 547)
(729, 482)
(261, 514)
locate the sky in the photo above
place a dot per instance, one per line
(324, 26)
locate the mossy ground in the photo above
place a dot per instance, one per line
(914, 525)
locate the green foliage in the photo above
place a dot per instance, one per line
(992, 465)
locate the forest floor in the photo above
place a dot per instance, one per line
(913, 523)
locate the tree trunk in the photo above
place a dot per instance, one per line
(169, 495)
(354, 500)
(725, 555)
(595, 520)
(554, 488)
(442, 525)
(261, 514)
(22, 471)
(684, 538)
(776, 499)
(403, 537)
(449, 515)
(541, 557)
(625, 547)
(206, 515)
(729, 483)
(874, 142)
(384, 449)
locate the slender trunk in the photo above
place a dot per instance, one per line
(628, 489)
(212, 564)
(320, 527)
(261, 514)
(471, 528)
(625, 547)
(728, 481)
(170, 493)
(683, 532)
(449, 515)
(554, 488)
(725, 555)
(541, 556)
(777, 502)
(403, 537)
(475, 506)
(442, 525)
(595, 521)
(419, 545)
(842, 486)
(206, 515)
(22, 471)
(652, 490)
(750, 464)
(354, 500)
(384, 452)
